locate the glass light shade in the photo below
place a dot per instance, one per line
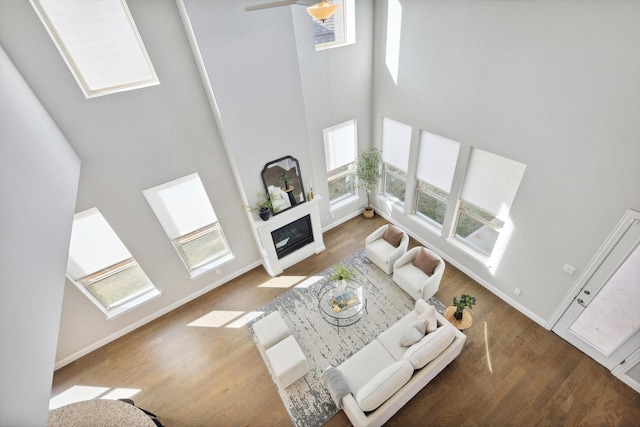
(322, 10)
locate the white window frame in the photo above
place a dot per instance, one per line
(340, 148)
(490, 187)
(396, 146)
(345, 31)
(97, 254)
(186, 214)
(437, 160)
(109, 57)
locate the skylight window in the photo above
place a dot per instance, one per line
(99, 42)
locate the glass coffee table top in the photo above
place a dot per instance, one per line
(342, 306)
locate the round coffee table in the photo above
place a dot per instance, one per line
(339, 307)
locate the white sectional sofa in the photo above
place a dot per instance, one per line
(384, 375)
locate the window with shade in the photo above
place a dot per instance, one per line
(339, 29)
(99, 42)
(340, 156)
(103, 268)
(489, 188)
(396, 143)
(185, 212)
(436, 166)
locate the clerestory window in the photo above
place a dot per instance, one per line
(99, 42)
(337, 30)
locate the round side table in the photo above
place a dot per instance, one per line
(461, 324)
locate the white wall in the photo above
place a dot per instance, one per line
(554, 85)
(39, 174)
(129, 142)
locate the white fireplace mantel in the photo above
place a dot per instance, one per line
(272, 264)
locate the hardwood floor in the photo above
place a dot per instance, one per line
(511, 372)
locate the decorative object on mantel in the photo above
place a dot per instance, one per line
(368, 174)
(283, 182)
(457, 315)
(263, 206)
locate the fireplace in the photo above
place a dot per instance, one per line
(277, 252)
(292, 236)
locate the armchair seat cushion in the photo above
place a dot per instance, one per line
(411, 277)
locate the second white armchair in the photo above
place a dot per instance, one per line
(419, 272)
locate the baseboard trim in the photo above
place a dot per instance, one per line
(75, 356)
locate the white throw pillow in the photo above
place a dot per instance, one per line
(429, 314)
(413, 332)
(384, 385)
(430, 347)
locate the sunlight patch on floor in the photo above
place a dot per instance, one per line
(283, 282)
(79, 393)
(486, 347)
(225, 318)
(310, 281)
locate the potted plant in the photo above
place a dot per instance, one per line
(462, 302)
(285, 178)
(368, 174)
(341, 274)
(263, 206)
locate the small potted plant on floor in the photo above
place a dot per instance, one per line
(341, 274)
(462, 302)
(368, 174)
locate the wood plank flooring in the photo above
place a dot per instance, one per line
(511, 372)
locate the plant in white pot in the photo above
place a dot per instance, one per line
(341, 275)
(368, 174)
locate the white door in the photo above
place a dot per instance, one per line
(604, 318)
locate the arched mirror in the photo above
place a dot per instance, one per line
(283, 182)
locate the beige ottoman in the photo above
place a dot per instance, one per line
(288, 361)
(270, 330)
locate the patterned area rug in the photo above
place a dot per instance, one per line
(307, 401)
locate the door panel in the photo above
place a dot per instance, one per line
(603, 320)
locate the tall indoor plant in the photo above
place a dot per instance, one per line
(368, 174)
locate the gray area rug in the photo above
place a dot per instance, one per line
(307, 401)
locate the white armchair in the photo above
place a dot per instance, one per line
(413, 279)
(381, 252)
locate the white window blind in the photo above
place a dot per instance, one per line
(396, 143)
(340, 145)
(94, 245)
(492, 182)
(99, 42)
(182, 205)
(437, 160)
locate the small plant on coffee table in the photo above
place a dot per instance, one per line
(341, 275)
(462, 302)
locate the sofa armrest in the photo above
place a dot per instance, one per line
(353, 411)
(376, 234)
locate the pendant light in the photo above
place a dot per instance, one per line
(322, 10)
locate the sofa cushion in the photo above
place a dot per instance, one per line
(384, 385)
(413, 333)
(429, 347)
(429, 314)
(425, 262)
(393, 235)
(365, 364)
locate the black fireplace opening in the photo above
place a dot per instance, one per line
(292, 236)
